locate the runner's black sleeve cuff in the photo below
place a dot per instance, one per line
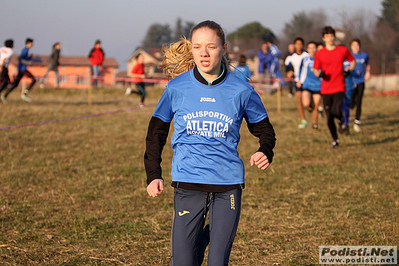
(267, 137)
(157, 135)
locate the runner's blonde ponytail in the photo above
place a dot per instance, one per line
(177, 58)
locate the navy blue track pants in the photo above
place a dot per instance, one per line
(189, 238)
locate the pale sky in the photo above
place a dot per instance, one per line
(121, 24)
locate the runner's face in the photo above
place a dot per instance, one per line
(355, 47)
(298, 46)
(208, 50)
(291, 48)
(140, 59)
(329, 39)
(311, 49)
(264, 48)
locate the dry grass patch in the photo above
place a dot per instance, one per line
(73, 193)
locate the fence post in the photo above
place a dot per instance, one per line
(278, 97)
(90, 98)
(396, 70)
(383, 71)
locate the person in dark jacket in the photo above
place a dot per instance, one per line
(290, 69)
(53, 64)
(96, 57)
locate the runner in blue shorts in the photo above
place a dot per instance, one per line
(310, 83)
(295, 61)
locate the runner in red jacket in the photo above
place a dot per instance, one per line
(96, 57)
(328, 64)
(138, 75)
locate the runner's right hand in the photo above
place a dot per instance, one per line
(155, 188)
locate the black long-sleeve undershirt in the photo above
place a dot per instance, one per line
(157, 135)
(267, 137)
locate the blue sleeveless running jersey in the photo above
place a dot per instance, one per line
(308, 79)
(207, 122)
(362, 60)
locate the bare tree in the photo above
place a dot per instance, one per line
(390, 13)
(157, 35)
(319, 20)
(299, 25)
(250, 35)
(187, 28)
(385, 40)
(307, 25)
(179, 31)
(378, 38)
(358, 24)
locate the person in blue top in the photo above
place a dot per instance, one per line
(274, 66)
(242, 70)
(361, 74)
(24, 60)
(265, 58)
(207, 104)
(310, 84)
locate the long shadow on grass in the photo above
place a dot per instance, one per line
(382, 141)
(374, 142)
(379, 118)
(274, 109)
(80, 103)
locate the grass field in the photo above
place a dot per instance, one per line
(74, 192)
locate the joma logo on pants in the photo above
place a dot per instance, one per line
(232, 202)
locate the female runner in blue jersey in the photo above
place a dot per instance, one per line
(310, 84)
(207, 104)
